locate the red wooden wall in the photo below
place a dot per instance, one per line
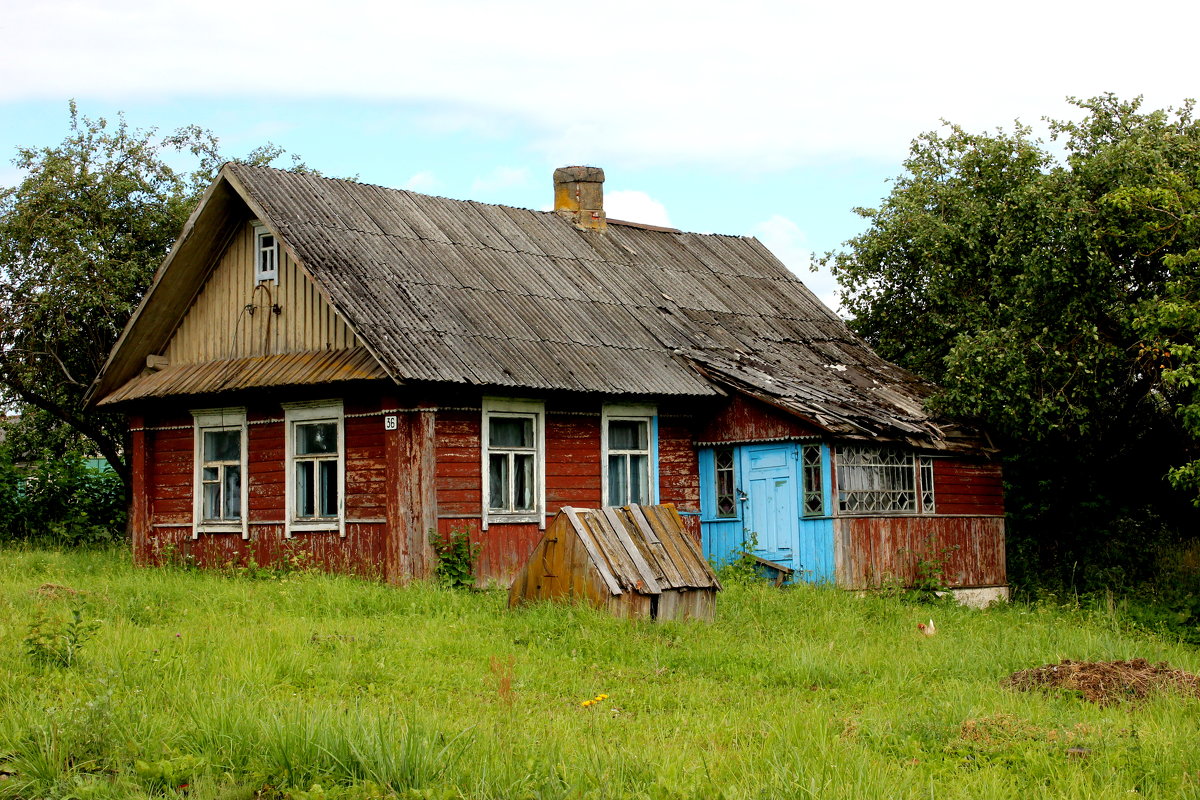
(742, 419)
(452, 488)
(573, 475)
(967, 487)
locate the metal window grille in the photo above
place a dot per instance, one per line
(725, 492)
(927, 499)
(875, 480)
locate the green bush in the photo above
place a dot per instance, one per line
(60, 501)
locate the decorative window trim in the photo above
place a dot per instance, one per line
(632, 413)
(209, 419)
(313, 411)
(813, 461)
(732, 469)
(266, 257)
(534, 410)
(882, 480)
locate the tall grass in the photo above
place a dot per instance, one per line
(205, 685)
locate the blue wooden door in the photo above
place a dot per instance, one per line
(771, 508)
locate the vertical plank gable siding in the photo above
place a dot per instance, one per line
(219, 325)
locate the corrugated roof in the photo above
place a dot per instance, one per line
(288, 369)
(462, 292)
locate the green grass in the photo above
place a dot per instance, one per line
(207, 685)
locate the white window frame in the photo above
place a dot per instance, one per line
(631, 413)
(508, 407)
(219, 419)
(260, 274)
(299, 413)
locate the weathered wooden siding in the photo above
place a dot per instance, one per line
(746, 420)
(967, 487)
(232, 315)
(573, 477)
(875, 551)
(387, 472)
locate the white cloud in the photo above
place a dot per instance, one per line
(424, 181)
(634, 206)
(775, 84)
(789, 243)
(499, 178)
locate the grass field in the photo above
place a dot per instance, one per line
(210, 685)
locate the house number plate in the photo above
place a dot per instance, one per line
(389, 422)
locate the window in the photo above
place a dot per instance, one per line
(219, 489)
(266, 255)
(875, 480)
(726, 493)
(315, 466)
(513, 461)
(627, 442)
(814, 490)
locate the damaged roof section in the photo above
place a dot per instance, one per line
(459, 292)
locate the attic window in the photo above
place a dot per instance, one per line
(266, 255)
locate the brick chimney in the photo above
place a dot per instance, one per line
(579, 196)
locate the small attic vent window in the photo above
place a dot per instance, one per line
(266, 255)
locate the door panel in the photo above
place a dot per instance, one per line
(771, 507)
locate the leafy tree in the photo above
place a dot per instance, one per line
(80, 238)
(1042, 286)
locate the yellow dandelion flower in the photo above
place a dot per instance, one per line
(587, 703)
(601, 697)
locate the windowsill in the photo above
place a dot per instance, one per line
(315, 526)
(508, 519)
(210, 528)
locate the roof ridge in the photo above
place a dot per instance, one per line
(631, 224)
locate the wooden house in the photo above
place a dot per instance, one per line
(338, 369)
(635, 561)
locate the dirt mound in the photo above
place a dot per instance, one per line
(1107, 682)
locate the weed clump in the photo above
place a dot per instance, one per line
(1106, 682)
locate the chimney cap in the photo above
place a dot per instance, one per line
(579, 174)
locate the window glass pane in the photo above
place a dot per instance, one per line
(523, 482)
(625, 434)
(726, 504)
(498, 481)
(233, 492)
(212, 500)
(266, 241)
(639, 479)
(316, 438)
(210, 474)
(305, 500)
(873, 480)
(618, 480)
(329, 488)
(222, 445)
(510, 432)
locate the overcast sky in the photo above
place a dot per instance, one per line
(771, 119)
